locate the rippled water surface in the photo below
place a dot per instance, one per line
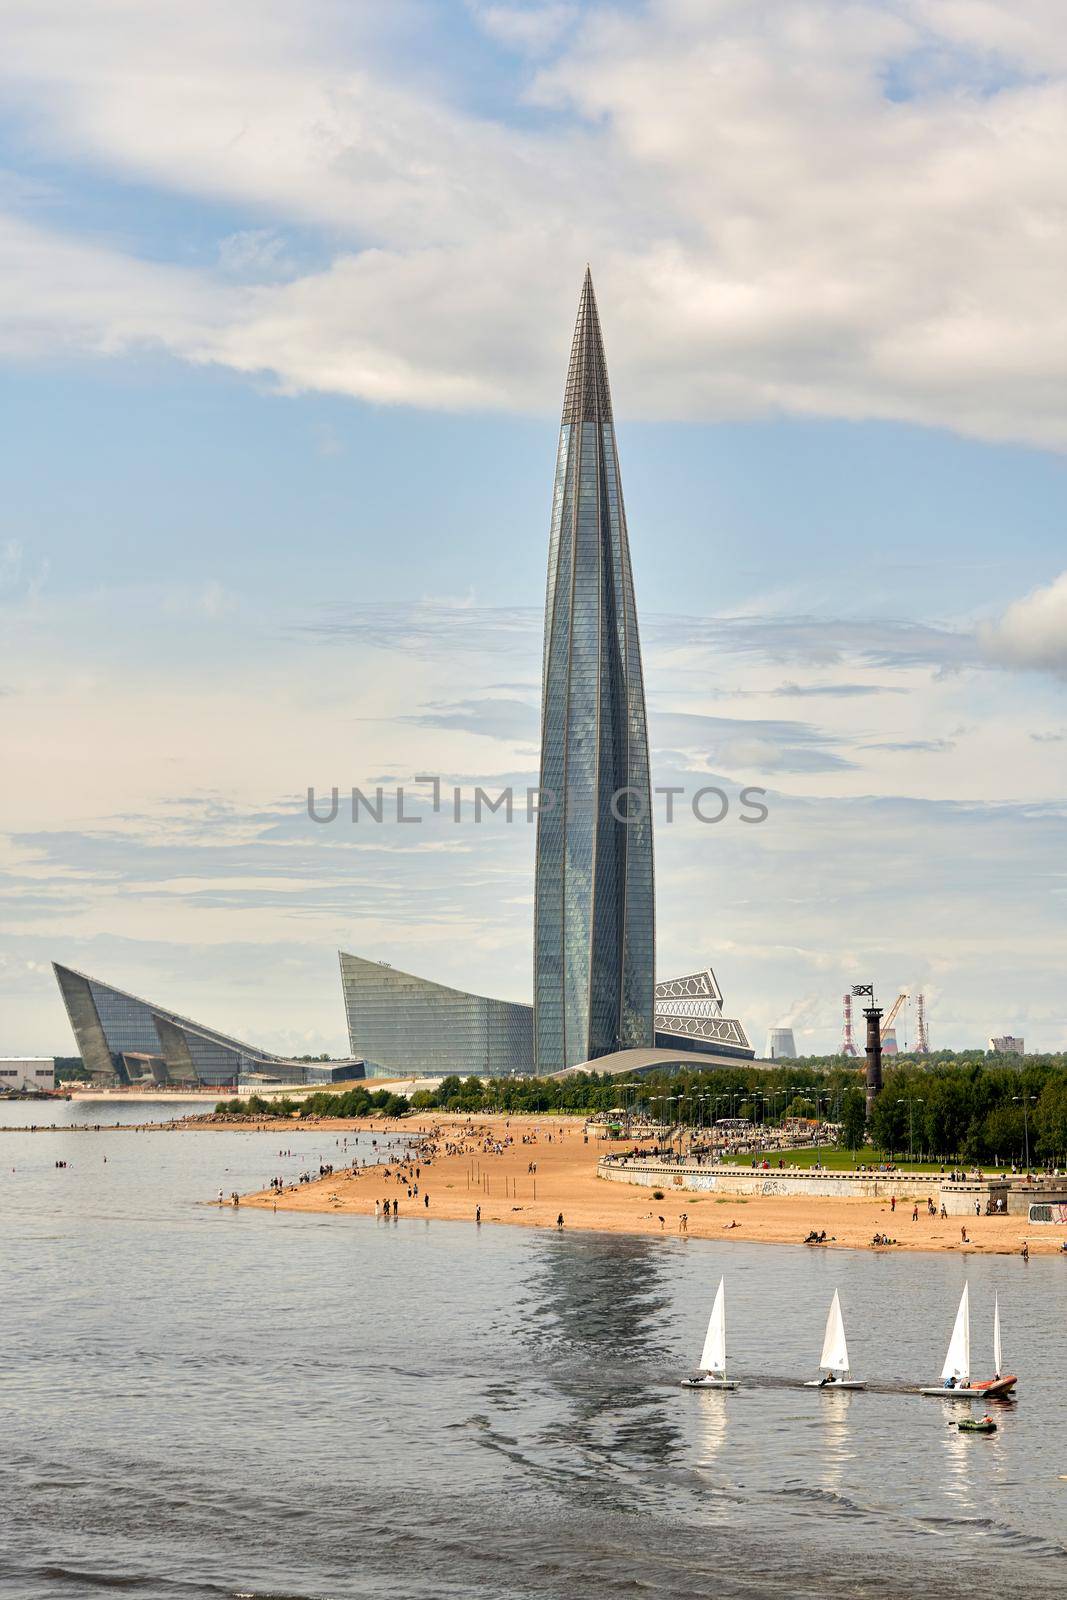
(198, 1401)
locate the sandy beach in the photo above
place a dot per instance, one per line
(565, 1180)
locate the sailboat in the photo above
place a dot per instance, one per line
(956, 1373)
(834, 1358)
(713, 1355)
(1001, 1383)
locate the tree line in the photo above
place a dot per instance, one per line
(946, 1108)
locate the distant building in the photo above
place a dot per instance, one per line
(1007, 1045)
(781, 1045)
(131, 1041)
(19, 1074)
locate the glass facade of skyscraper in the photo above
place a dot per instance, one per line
(594, 920)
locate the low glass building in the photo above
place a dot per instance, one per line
(125, 1039)
(404, 1026)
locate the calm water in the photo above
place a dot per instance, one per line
(202, 1402)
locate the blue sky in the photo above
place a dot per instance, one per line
(288, 295)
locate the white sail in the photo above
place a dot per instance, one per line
(834, 1349)
(998, 1362)
(958, 1360)
(713, 1356)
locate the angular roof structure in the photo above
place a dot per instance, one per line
(120, 1035)
(690, 1009)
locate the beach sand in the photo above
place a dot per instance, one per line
(566, 1181)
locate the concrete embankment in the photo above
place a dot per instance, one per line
(653, 1174)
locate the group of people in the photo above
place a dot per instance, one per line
(931, 1209)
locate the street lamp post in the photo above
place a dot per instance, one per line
(911, 1124)
(1026, 1099)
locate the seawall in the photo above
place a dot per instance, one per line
(771, 1181)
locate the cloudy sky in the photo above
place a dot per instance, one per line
(286, 295)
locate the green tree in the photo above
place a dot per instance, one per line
(1050, 1119)
(853, 1118)
(1002, 1135)
(889, 1118)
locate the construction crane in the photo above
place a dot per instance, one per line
(894, 1008)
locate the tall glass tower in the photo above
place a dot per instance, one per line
(594, 917)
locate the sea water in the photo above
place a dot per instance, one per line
(203, 1401)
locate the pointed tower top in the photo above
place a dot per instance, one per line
(587, 397)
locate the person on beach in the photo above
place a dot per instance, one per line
(377, 1208)
(559, 1219)
(426, 1201)
(396, 1208)
(477, 1213)
(915, 1212)
(683, 1223)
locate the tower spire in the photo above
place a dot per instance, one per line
(587, 397)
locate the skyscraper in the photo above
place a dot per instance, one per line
(594, 917)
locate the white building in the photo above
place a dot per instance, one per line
(1007, 1045)
(781, 1044)
(27, 1072)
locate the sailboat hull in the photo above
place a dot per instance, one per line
(941, 1393)
(708, 1383)
(844, 1383)
(997, 1388)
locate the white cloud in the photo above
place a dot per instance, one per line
(10, 562)
(533, 27)
(255, 254)
(60, 295)
(772, 227)
(209, 600)
(1032, 633)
